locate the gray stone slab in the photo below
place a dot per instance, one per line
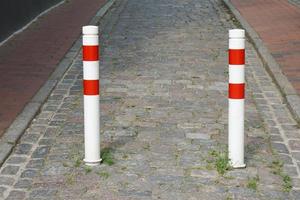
(5, 150)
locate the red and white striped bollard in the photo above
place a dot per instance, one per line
(91, 89)
(236, 97)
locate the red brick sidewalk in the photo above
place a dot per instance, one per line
(278, 25)
(27, 60)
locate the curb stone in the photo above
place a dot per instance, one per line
(5, 150)
(19, 125)
(287, 90)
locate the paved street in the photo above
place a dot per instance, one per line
(164, 77)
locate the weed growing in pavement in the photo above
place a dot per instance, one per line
(76, 156)
(222, 164)
(287, 183)
(87, 169)
(252, 183)
(229, 198)
(209, 166)
(125, 156)
(104, 175)
(107, 156)
(276, 168)
(78, 162)
(70, 178)
(220, 161)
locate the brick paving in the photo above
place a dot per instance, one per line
(27, 60)
(282, 37)
(163, 117)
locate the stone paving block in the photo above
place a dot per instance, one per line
(290, 170)
(4, 180)
(55, 169)
(276, 138)
(292, 134)
(294, 145)
(202, 136)
(42, 193)
(23, 148)
(286, 158)
(46, 141)
(37, 163)
(2, 190)
(10, 170)
(280, 147)
(40, 152)
(23, 184)
(296, 182)
(200, 173)
(16, 194)
(16, 160)
(30, 138)
(28, 173)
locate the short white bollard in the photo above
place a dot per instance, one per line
(91, 89)
(236, 95)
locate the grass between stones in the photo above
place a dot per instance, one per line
(70, 178)
(107, 156)
(276, 168)
(252, 183)
(229, 198)
(218, 160)
(78, 162)
(287, 183)
(87, 169)
(104, 175)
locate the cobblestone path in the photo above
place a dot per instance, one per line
(163, 117)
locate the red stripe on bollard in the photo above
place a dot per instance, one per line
(90, 53)
(236, 91)
(236, 56)
(91, 87)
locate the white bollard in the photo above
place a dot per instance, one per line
(236, 97)
(91, 89)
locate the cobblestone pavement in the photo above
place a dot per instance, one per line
(163, 116)
(296, 2)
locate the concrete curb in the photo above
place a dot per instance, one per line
(287, 90)
(19, 125)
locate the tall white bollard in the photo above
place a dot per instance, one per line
(90, 55)
(236, 97)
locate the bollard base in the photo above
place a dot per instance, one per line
(238, 166)
(92, 163)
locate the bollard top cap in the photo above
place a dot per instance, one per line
(237, 33)
(90, 30)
